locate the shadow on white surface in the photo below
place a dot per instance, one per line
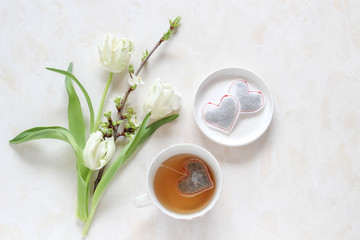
(237, 155)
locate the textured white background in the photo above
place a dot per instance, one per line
(301, 180)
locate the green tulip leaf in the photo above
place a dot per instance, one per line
(145, 132)
(77, 128)
(75, 115)
(54, 132)
(86, 95)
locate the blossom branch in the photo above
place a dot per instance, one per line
(166, 36)
(123, 101)
(144, 60)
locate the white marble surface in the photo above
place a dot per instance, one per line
(301, 180)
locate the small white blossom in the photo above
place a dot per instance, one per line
(162, 100)
(98, 151)
(135, 81)
(135, 121)
(115, 53)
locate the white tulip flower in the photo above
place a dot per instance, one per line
(98, 151)
(115, 53)
(162, 100)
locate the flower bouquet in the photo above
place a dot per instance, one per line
(94, 149)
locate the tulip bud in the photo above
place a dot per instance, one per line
(115, 53)
(98, 151)
(162, 100)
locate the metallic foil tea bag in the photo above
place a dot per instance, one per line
(222, 116)
(197, 178)
(250, 101)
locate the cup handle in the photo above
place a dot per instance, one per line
(142, 201)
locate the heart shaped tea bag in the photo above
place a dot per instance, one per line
(222, 116)
(196, 180)
(250, 101)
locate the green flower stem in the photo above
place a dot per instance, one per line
(82, 200)
(87, 183)
(83, 196)
(99, 113)
(105, 180)
(83, 179)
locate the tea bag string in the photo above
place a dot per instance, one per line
(162, 165)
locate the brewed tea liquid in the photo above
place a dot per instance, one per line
(165, 187)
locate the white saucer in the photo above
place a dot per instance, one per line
(248, 127)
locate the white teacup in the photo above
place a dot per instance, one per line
(150, 196)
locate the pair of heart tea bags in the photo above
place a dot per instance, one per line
(239, 100)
